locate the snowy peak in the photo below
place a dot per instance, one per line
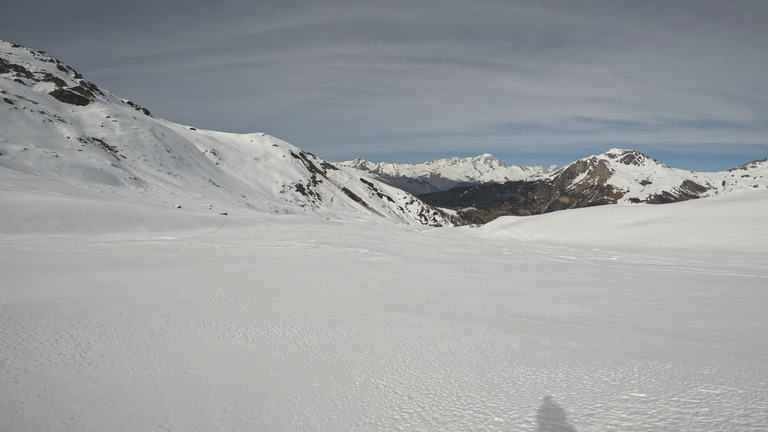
(759, 165)
(628, 176)
(752, 175)
(599, 169)
(45, 74)
(443, 174)
(630, 158)
(59, 129)
(480, 163)
(479, 168)
(34, 68)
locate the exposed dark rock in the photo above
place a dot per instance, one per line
(70, 97)
(87, 88)
(693, 188)
(83, 91)
(101, 144)
(749, 165)
(356, 198)
(138, 107)
(308, 190)
(49, 77)
(19, 70)
(306, 160)
(329, 166)
(376, 190)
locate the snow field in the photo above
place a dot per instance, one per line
(293, 323)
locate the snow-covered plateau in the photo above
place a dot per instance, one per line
(616, 318)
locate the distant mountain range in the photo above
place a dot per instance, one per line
(614, 177)
(59, 131)
(444, 174)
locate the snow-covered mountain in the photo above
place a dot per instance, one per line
(752, 175)
(627, 176)
(618, 176)
(55, 125)
(444, 174)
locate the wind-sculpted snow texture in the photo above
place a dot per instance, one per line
(128, 317)
(56, 125)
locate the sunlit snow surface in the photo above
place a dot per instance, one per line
(126, 317)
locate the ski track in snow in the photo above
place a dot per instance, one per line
(342, 328)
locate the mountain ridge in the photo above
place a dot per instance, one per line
(444, 174)
(618, 176)
(58, 127)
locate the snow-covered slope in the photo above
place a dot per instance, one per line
(446, 173)
(54, 124)
(730, 224)
(752, 175)
(616, 318)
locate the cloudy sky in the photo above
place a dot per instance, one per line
(531, 81)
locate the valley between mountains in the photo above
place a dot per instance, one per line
(484, 188)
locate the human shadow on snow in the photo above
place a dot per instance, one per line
(551, 417)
